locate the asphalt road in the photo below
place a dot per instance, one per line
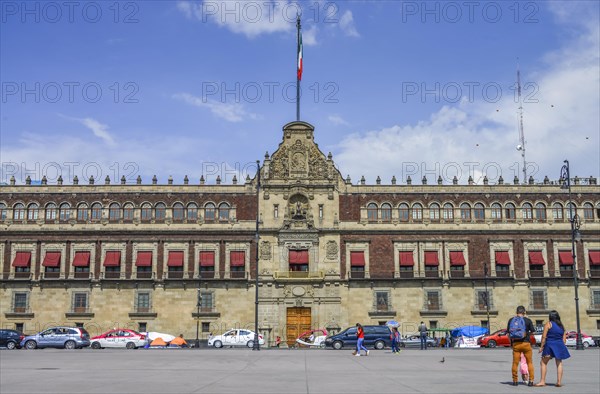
(281, 371)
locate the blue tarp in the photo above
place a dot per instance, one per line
(469, 331)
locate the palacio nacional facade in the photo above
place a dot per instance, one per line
(331, 252)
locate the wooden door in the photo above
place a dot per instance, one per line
(298, 321)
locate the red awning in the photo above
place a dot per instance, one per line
(175, 259)
(237, 258)
(431, 258)
(52, 259)
(406, 259)
(207, 259)
(144, 259)
(299, 257)
(502, 258)
(457, 258)
(594, 256)
(536, 257)
(82, 259)
(22, 259)
(112, 259)
(565, 257)
(357, 259)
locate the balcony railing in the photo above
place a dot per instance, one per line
(594, 273)
(22, 275)
(144, 275)
(51, 275)
(82, 275)
(113, 275)
(315, 275)
(456, 274)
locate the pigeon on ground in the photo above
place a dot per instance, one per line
(443, 359)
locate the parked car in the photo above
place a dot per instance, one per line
(377, 337)
(586, 340)
(415, 341)
(11, 339)
(499, 338)
(235, 337)
(538, 334)
(119, 338)
(58, 337)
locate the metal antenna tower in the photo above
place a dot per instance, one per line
(521, 146)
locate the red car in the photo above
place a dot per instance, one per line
(498, 338)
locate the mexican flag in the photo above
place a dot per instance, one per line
(299, 56)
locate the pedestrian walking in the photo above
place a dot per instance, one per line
(553, 346)
(395, 340)
(360, 336)
(423, 335)
(519, 329)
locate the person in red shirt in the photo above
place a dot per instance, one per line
(360, 334)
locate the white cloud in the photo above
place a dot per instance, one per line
(100, 130)
(230, 112)
(347, 24)
(309, 36)
(473, 138)
(337, 120)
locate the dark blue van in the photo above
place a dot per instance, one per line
(377, 337)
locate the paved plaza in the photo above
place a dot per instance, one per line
(280, 371)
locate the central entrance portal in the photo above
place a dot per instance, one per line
(298, 321)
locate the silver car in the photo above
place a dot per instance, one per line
(58, 337)
(415, 341)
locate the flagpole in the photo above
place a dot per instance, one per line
(298, 69)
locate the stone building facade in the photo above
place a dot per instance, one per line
(174, 257)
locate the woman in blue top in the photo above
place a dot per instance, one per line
(553, 346)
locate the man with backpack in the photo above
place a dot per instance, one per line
(519, 330)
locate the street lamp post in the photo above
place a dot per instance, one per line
(565, 177)
(256, 344)
(487, 298)
(198, 305)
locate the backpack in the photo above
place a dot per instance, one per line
(517, 328)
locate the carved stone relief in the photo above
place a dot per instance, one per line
(331, 250)
(265, 250)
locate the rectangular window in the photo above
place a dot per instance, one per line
(20, 327)
(595, 299)
(142, 326)
(80, 302)
(79, 325)
(298, 260)
(142, 302)
(483, 300)
(382, 301)
(275, 211)
(433, 324)
(206, 304)
(538, 300)
(432, 300)
(320, 211)
(205, 326)
(20, 302)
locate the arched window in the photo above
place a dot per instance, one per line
(527, 209)
(128, 211)
(386, 212)
(496, 211)
(51, 211)
(82, 212)
(209, 211)
(223, 211)
(465, 212)
(96, 211)
(510, 211)
(448, 211)
(2, 211)
(571, 210)
(64, 212)
(434, 211)
(417, 212)
(192, 211)
(372, 212)
(557, 211)
(18, 211)
(479, 211)
(178, 211)
(540, 211)
(114, 212)
(33, 211)
(160, 211)
(403, 212)
(146, 214)
(588, 211)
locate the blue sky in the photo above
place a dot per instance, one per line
(392, 87)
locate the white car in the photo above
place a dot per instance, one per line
(235, 337)
(120, 338)
(586, 340)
